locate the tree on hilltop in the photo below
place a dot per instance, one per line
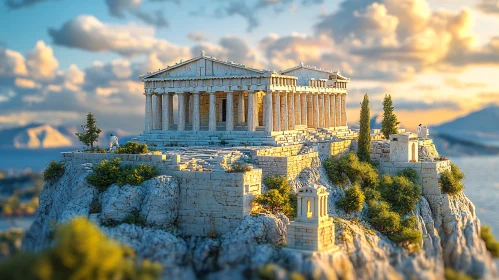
(90, 134)
(364, 150)
(389, 123)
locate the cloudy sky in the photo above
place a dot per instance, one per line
(59, 59)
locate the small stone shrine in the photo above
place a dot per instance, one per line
(313, 229)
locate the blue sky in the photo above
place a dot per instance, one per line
(62, 58)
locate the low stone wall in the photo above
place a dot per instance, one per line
(80, 158)
(284, 161)
(215, 202)
(334, 148)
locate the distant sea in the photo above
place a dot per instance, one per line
(21, 159)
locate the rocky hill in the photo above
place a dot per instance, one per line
(449, 226)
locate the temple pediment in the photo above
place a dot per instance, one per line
(304, 73)
(204, 66)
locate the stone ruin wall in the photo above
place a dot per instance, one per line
(215, 202)
(209, 202)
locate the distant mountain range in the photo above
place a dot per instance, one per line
(474, 134)
(44, 136)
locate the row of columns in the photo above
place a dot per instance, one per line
(282, 111)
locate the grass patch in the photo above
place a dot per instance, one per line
(239, 168)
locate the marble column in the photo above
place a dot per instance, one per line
(268, 112)
(337, 109)
(316, 110)
(148, 124)
(327, 107)
(343, 110)
(277, 111)
(188, 110)
(196, 119)
(251, 111)
(158, 111)
(331, 110)
(303, 97)
(212, 115)
(181, 112)
(165, 122)
(229, 118)
(321, 111)
(310, 110)
(297, 108)
(256, 122)
(170, 98)
(240, 108)
(291, 111)
(284, 111)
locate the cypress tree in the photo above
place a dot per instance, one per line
(90, 133)
(389, 123)
(364, 150)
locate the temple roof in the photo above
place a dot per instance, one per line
(336, 74)
(209, 58)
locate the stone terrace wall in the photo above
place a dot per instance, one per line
(284, 161)
(215, 202)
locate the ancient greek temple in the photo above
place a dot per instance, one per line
(223, 97)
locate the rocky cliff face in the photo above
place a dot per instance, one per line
(448, 223)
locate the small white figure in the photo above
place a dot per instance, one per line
(423, 131)
(113, 142)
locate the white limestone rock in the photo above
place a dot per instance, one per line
(160, 204)
(156, 245)
(60, 201)
(240, 245)
(120, 201)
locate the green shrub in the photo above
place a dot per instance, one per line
(353, 200)
(348, 169)
(451, 274)
(490, 241)
(450, 182)
(382, 219)
(239, 168)
(400, 231)
(53, 172)
(400, 192)
(132, 148)
(410, 174)
(107, 173)
(279, 197)
(80, 251)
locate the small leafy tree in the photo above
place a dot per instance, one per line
(132, 148)
(91, 132)
(364, 149)
(353, 200)
(389, 123)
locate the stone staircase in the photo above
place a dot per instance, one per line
(241, 137)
